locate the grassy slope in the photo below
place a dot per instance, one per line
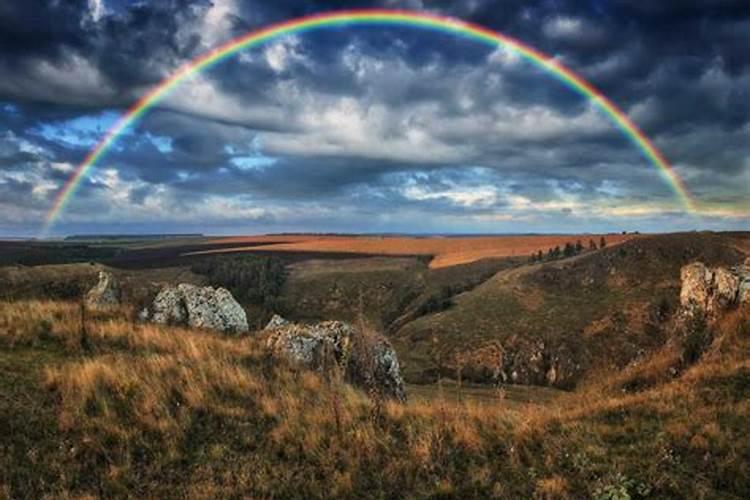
(600, 309)
(388, 290)
(165, 412)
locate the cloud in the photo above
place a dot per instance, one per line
(391, 126)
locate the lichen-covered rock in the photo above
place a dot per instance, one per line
(517, 362)
(276, 322)
(198, 307)
(106, 293)
(710, 291)
(368, 361)
(743, 272)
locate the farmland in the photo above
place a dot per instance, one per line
(445, 251)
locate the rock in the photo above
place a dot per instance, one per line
(106, 293)
(276, 322)
(518, 362)
(198, 307)
(743, 272)
(143, 314)
(367, 361)
(710, 291)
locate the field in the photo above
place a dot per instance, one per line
(561, 378)
(446, 251)
(141, 410)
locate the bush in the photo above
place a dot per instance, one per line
(696, 339)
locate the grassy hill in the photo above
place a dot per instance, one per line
(142, 410)
(598, 310)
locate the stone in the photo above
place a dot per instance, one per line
(367, 360)
(276, 322)
(711, 291)
(198, 307)
(106, 293)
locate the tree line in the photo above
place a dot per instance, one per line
(568, 250)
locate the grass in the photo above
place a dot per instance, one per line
(601, 310)
(144, 410)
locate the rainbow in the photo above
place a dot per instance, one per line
(369, 17)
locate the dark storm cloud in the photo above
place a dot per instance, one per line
(347, 116)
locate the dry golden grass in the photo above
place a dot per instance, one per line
(446, 251)
(158, 411)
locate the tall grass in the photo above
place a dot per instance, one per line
(168, 412)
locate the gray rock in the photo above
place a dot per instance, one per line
(106, 293)
(276, 322)
(368, 361)
(198, 307)
(710, 291)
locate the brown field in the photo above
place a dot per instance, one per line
(447, 251)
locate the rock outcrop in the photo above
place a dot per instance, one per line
(710, 291)
(106, 293)
(198, 307)
(517, 362)
(367, 360)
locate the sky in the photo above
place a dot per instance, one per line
(373, 129)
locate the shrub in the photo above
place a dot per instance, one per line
(696, 339)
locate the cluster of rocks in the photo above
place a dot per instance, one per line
(710, 291)
(518, 362)
(366, 360)
(197, 307)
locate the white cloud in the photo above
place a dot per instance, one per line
(280, 54)
(563, 27)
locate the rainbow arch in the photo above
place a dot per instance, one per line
(380, 17)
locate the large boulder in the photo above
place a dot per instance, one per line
(367, 360)
(198, 307)
(711, 290)
(106, 293)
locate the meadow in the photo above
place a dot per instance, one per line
(110, 408)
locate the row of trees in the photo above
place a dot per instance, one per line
(569, 250)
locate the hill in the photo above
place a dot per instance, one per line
(551, 323)
(143, 410)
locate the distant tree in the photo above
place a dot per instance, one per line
(579, 247)
(556, 252)
(602, 242)
(550, 254)
(569, 250)
(532, 257)
(540, 256)
(592, 245)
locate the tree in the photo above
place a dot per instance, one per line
(556, 252)
(602, 242)
(592, 245)
(579, 247)
(569, 250)
(540, 256)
